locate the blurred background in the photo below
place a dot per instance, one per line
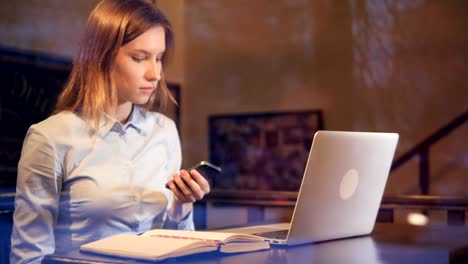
(365, 65)
(392, 66)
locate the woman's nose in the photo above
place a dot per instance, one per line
(154, 72)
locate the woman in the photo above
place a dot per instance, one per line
(98, 166)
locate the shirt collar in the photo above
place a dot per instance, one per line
(136, 121)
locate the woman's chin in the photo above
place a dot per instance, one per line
(142, 100)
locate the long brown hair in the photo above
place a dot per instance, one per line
(112, 24)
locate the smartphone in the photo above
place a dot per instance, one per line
(206, 169)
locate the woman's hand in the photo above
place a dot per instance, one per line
(189, 187)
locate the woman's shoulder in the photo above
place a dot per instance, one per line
(159, 119)
(63, 122)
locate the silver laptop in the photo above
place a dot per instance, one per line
(341, 190)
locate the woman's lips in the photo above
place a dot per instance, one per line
(147, 89)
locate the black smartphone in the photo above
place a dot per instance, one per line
(206, 169)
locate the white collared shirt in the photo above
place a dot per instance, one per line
(76, 185)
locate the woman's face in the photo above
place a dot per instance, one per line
(137, 68)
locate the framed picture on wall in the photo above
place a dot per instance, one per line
(262, 151)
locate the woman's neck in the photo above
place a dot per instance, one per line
(122, 112)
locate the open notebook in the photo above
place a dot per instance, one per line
(159, 244)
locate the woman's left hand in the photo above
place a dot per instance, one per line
(189, 187)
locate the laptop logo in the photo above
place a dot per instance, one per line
(349, 184)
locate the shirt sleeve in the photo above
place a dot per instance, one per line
(36, 202)
(176, 163)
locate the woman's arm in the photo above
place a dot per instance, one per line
(37, 198)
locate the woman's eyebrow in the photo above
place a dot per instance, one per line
(141, 51)
(146, 52)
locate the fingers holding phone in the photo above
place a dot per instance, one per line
(176, 177)
(180, 187)
(192, 185)
(188, 187)
(199, 184)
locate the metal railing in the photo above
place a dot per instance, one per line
(422, 150)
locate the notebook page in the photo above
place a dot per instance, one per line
(202, 235)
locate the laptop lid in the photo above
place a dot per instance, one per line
(341, 190)
(342, 186)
